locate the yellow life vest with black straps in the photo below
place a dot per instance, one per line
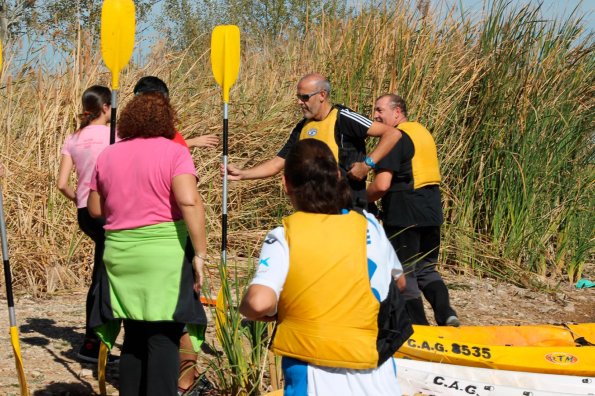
(323, 130)
(424, 164)
(327, 314)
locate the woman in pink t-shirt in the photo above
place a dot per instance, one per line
(80, 151)
(145, 187)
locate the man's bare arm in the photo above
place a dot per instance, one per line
(266, 169)
(388, 138)
(379, 185)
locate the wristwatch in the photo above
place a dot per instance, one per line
(370, 162)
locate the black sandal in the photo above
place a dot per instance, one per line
(197, 389)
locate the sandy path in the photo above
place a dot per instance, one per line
(51, 330)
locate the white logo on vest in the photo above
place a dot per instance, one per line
(312, 132)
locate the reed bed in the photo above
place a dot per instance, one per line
(508, 97)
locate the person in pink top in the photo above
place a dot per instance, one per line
(190, 382)
(80, 152)
(145, 188)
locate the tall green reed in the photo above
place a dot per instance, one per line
(529, 131)
(240, 367)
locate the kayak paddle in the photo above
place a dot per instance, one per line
(117, 42)
(225, 63)
(118, 24)
(14, 332)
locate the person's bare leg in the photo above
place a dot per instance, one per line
(188, 372)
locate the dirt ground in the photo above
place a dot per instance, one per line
(51, 330)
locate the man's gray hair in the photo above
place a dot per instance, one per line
(395, 101)
(325, 85)
(322, 83)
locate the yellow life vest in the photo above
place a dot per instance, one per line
(424, 164)
(327, 314)
(323, 130)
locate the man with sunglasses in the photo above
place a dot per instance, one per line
(342, 129)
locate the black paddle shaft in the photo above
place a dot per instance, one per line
(224, 211)
(112, 126)
(6, 259)
(8, 281)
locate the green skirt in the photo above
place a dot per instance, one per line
(147, 276)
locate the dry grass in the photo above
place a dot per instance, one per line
(491, 92)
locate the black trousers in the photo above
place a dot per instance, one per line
(93, 228)
(149, 362)
(417, 248)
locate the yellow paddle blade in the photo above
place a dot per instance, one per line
(117, 35)
(101, 363)
(220, 319)
(16, 349)
(225, 56)
(220, 307)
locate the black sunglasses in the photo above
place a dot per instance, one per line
(306, 97)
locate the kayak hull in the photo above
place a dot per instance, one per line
(540, 349)
(417, 377)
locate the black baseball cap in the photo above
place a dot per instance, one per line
(151, 84)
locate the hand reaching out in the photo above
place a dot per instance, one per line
(233, 172)
(207, 141)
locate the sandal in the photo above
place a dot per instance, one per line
(200, 386)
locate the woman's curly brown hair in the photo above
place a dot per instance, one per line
(147, 115)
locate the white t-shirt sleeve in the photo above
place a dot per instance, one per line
(273, 263)
(382, 259)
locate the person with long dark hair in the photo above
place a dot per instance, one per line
(155, 249)
(80, 151)
(330, 278)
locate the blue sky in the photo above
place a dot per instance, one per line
(551, 9)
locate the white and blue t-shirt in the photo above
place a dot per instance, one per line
(303, 379)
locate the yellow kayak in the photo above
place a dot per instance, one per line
(553, 349)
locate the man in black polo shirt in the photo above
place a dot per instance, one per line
(408, 181)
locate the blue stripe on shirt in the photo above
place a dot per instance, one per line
(372, 266)
(296, 377)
